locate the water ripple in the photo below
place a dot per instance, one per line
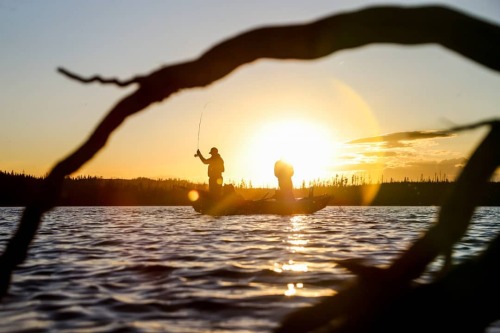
(168, 269)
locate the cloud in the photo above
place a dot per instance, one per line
(413, 169)
(400, 139)
(414, 155)
(448, 168)
(382, 154)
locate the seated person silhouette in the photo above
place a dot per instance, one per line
(284, 172)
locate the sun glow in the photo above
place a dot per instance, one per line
(308, 146)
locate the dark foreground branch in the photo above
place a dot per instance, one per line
(386, 300)
(470, 37)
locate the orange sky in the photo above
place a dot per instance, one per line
(310, 112)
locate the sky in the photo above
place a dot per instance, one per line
(320, 115)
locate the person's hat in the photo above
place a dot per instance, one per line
(214, 150)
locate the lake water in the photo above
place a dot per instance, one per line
(169, 269)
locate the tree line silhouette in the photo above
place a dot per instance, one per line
(18, 189)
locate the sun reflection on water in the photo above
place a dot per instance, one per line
(296, 238)
(290, 266)
(296, 244)
(292, 289)
(297, 289)
(297, 222)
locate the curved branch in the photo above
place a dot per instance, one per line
(491, 122)
(373, 296)
(456, 212)
(472, 38)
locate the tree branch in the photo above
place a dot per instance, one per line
(476, 40)
(98, 79)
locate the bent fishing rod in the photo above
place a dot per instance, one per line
(199, 127)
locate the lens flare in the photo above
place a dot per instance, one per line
(193, 195)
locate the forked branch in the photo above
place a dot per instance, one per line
(474, 39)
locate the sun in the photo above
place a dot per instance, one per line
(307, 145)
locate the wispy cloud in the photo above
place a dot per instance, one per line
(384, 154)
(444, 169)
(412, 154)
(402, 139)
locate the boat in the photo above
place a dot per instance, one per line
(234, 204)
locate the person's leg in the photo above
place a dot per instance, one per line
(215, 187)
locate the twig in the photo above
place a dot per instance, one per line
(492, 122)
(97, 78)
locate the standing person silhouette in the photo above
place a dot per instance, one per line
(215, 170)
(284, 172)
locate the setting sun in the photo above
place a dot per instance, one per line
(307, 145)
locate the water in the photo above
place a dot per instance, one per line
(168, 269)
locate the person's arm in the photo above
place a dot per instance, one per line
(203, 159)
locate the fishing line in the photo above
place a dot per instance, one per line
(199, 129)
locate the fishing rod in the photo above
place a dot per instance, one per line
(199, 128)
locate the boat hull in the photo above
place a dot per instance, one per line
(237, 206)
